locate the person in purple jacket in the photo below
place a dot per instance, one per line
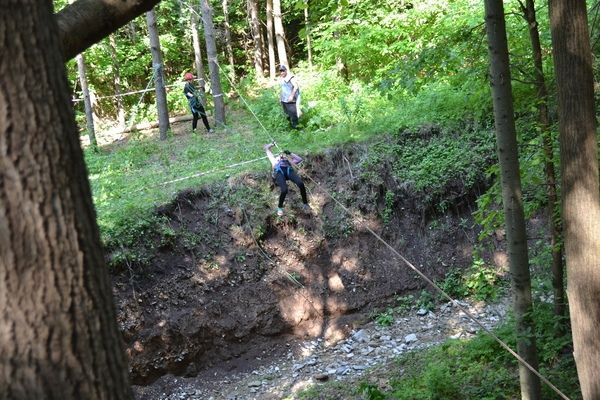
(282, 172)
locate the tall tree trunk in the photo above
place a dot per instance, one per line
(579, 182)
(308, 34)
(159, 79)
(86, 22)
(197, 52)
(516, 237)
(228, 46)
(112, 44)
(255, 30)
(59, 336)
(270, 45)
(213, 66)
(89, 112)
(279, 33)
(544, 123)
(339, 61)
(87, 102)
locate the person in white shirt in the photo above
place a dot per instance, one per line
(290, 95)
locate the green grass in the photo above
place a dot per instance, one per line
(130, 179)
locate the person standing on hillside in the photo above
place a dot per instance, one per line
(290, 95)
(193, 97)
(282, 172)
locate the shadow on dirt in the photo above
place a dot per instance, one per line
(229, 283)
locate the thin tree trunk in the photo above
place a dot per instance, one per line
(516, 237)
(579, 183)
(197, 51)
(117, 79)
(213, 67)
(89, 112)
(270, 45)
(228, 45)
(59, 338)
(279, 33)
(308, 34)
(255, 30)
(544, 123)
(339, 61)
(159, 79)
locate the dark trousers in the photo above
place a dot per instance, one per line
(198, 112)
(291, 112)
(281, 181)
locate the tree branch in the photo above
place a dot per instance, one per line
(86, 22)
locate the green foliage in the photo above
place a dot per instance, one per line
(453, 284)
(434, 166)
(370, 392)
(481, 281)
(389, 207)
(384, 318)
(426, 300)
(481, 369)
(404, 303)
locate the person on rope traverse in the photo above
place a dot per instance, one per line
(193, 97)
(282, 172)
(290, 96)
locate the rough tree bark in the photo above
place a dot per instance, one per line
(270, 46)
(579, 182)
(279, 33)
(213, 67)
(58, 336)
(86, 22)
(256, 38)
(516, 238)
(159, 78)
(228, 45)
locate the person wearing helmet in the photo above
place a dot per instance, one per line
(193, 97)
(283, 171)
(290, 95)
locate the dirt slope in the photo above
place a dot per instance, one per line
(233, 282)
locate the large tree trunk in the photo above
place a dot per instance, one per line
(256, 38)
(159, 79)
(59, 337)
(516, 238)
(544, 124)
(89, 112)
(112, 44)
(270, 46)
(86, 22)
(279, 33)
(213, 66)
(228, 46)
(580, 187)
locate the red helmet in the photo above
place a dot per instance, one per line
(188, 76)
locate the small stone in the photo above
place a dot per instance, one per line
(410, 338)
(321, 377)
